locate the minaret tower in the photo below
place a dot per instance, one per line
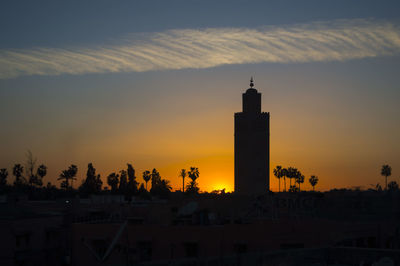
(251, 145)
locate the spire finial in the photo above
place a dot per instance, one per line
(251, 82)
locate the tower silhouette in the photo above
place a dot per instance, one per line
(251, 145)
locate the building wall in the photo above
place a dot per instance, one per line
(139, 243)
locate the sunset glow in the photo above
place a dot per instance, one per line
(162, 93)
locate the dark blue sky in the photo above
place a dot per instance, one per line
(59, 23)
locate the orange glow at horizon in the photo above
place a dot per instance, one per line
(318, 130)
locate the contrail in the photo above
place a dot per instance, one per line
(337, 40)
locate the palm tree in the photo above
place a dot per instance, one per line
(313, 181)
(155, 179)
(291, 173)
(41, 172)
(278, 174)
(17, 172)
(183, 175)
(146, 177)
(68, 174)
(3, 177)
(284, 175)
(65, 177)
(73, 170)
(166, 184)
(386, 171)
(299, 178)
(393, 186)
(293, 189)
(193, 174)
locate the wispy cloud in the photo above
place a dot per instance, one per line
(178, 49)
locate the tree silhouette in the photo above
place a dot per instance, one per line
(386, 171)
(299, 179)
(193, 173)
(142, 191)
(113, 181)
(393, 186)
(192, 187)
(289, 174)
(17, 172)
(313, 181)
(278, 174)
(3, 178)
(123, 181)
(284, 173)
(132, 183)
(64, 176)
(293, 189)
(166, 184)
(30, 169)
(40, 173)
(292, 172)
(64, 185)
(146, 177)
(67, 175)
(92, 183)
(182, 174)
(73, 170)
(99, 184)
(155, 178)
(159, 187)
(50, 191)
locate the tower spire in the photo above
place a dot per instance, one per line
(251, 82)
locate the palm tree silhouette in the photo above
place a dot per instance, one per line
(278, 174)
(183, 175)
(393, 186)
(17, 172)
(313, 181)
(386, 171)
(41, 172)
(299, 178)
(193, 174)
(146, 177)
(284, 175)
(3, 177)
(68, 174)
(166, 184)
(291, 173)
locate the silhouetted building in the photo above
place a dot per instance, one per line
(251, 145)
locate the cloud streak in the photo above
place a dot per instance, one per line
(337, 40)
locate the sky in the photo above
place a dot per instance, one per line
(156, 84)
